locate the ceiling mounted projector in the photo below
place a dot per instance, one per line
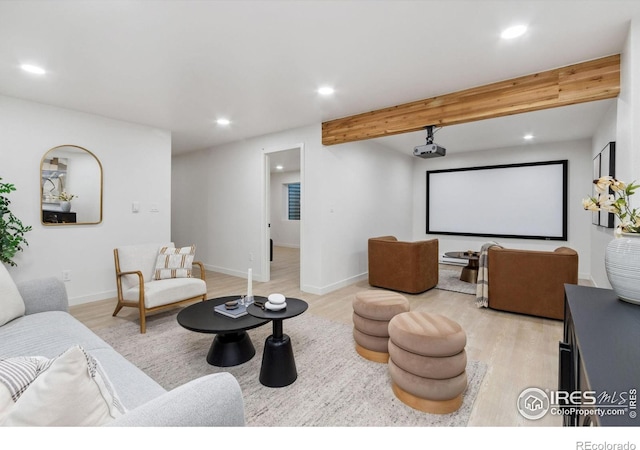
(430, 149)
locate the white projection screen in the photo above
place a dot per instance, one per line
(527, 201)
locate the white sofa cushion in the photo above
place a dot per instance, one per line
(11, 303)
(163, 292)
(174, 262)
(69, 390)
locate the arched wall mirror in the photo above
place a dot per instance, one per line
(70, 186)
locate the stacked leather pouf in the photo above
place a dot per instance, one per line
(427, 361)
(372, 311)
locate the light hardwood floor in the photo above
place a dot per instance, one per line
(520, 351)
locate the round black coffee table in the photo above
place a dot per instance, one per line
(278, 364)
(232, 345)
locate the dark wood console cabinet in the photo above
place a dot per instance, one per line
(58, 217)
(600, 355)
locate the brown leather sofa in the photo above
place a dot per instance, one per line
(410, 267)
(530, 282)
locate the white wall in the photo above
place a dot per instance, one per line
(349, 193)
(627, 137)
(366, 191)
(136, 161)
(628, 113)
(284, 232)
(579, 155)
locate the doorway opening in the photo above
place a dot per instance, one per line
(283, 215)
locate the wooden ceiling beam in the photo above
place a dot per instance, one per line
(584, 82)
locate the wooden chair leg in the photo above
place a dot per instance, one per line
(143, 323)
(118, 308)
(143, 316)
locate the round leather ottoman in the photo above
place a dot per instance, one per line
(372, 311)
(427, 361)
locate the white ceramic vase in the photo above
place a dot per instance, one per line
(622, 263)
(65, 206)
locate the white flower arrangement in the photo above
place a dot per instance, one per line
(616, 203)
(66, 197)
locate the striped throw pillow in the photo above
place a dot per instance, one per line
(174, 263)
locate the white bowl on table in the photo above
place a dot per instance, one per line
(276, 299)
(275, 306)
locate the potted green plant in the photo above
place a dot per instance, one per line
(12, 230)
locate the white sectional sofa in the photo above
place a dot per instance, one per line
(46, 329)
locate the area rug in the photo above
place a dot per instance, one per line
(449, 280)
(335, 386)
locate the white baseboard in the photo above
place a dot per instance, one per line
(334, 286)
(73, 301)
(234, 273)
(279, 244)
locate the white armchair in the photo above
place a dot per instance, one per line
(140, 286)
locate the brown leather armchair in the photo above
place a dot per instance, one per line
(530, 282)
(410, 267)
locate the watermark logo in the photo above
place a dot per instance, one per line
(534, 403)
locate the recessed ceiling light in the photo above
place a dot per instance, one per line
(223, 122)
(326, 90)
(528, 137)
(514, 32)
(33, 69)
(279, 167)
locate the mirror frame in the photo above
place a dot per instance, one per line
(49, 224)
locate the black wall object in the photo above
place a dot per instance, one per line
(604, 164)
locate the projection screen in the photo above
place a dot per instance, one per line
(527, 201)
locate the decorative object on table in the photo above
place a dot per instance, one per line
(622, 255)
(65, 201)
(622, 264)
(233, 304)
(12, 230)
(234, 311)
(273, 307)
(276, 302)
(249, 297)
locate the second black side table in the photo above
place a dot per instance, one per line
(278, 363)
